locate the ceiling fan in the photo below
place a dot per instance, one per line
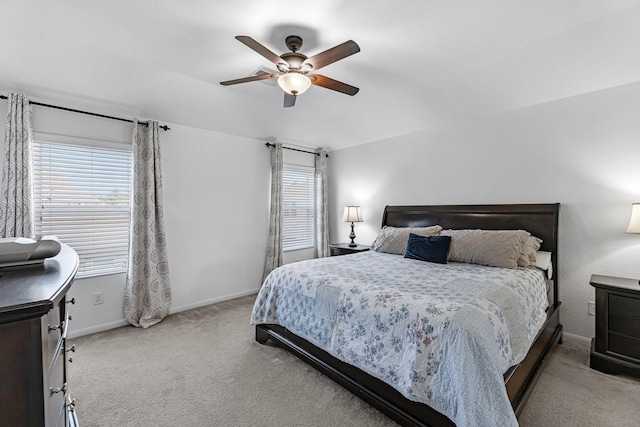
(294, 68)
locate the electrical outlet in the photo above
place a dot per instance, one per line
(591, 308)
(98, 298)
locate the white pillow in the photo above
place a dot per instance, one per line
(543, 262)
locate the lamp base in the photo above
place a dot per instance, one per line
(352, 236)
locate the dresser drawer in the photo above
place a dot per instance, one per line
(340, 251)
(624, 325)
(623, 345)
(60, 347)
(56, 390)
(58, 412)
(624, 305)
(61, 411)
(52, 328)
(72, 417)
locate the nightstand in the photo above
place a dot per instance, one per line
(336, 249)
(616, 346)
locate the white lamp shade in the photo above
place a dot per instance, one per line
(294, 83)
(634, 221)
(352, 214)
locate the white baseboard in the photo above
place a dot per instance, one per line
(122, 322)
(575, 337)
(98, 328)
(212, 301)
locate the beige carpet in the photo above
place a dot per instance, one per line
(203, 368)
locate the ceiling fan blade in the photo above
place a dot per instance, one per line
(328, 83)
(251, 43)
(289, 100)
(334, 54)
(250, 79)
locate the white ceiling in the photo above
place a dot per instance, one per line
(423, 63)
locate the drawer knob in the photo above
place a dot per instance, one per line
(62, 389)
(71, 360)
(56, 327)
(71, 301)
(73, 348)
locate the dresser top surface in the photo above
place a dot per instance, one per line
(615, 283)
(36, 287)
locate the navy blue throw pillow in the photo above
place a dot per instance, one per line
(431, 248)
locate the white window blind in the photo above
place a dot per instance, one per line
(82, 196)
(298, 207)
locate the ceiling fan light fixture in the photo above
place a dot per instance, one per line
(294, 83)
(294, 68)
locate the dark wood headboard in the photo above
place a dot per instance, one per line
(541, 220)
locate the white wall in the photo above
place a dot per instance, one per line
(216, 190)
(216, 197)
(583, 152)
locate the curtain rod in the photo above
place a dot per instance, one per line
(268, 144)
(163, 127)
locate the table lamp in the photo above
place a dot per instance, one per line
(634, 221)
(352, 214)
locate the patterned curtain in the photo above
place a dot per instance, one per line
(16, 205)
(274, 244)
(147, 294)
(322, 210)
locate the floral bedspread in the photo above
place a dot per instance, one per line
(443, 335)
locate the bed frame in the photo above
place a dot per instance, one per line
(541, 220)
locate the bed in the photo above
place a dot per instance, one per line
(371, 382)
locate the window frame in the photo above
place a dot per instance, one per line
(97, 256)
(309, 240)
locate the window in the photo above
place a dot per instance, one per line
(298, 207)
(82, 196)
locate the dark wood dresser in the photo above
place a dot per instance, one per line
(33, 352)
(336, 249)
(616, 346)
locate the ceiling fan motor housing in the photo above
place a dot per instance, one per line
(294, 43)
(294, 59)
